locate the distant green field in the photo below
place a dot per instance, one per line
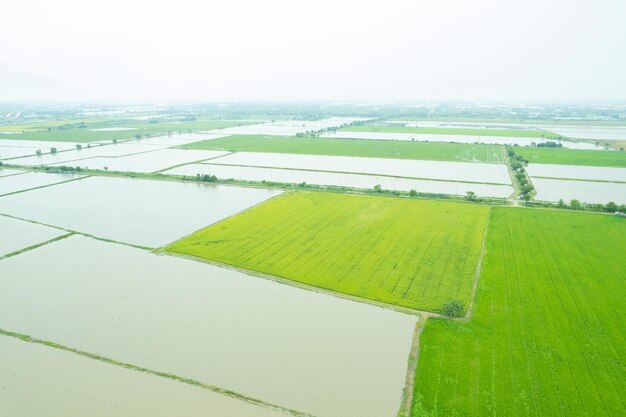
(412, 253)
(573, 156)
(347, 147)
(50, 131)
(547, 336)
(454, 131)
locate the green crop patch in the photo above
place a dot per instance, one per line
(432, 151)
(520, 133)
(547, 336)
(573, 156)
(412, 253)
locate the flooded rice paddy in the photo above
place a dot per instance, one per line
(146, 161)
(439, 170)
(591, 132)
(492, 140)
(584, 191)
(177, 139)
(72, 157)
(577, 172)
(288, 127)
(29, 180)
(286, 346)
(341, 180)
(142, 212)
(16, 234)
(43, 381)
(5, 172)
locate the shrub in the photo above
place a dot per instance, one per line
(453, 308)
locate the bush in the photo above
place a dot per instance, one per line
(453, 308)
(413, 193)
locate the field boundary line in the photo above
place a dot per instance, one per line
(297, 284)
(479, 267)
(163, 249)
(233, 394)
(408, 390)
(31, 247)
(580, 179)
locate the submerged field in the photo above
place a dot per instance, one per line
(412, 253)
(355, 147)
(521, 133)
(573, 156)
(546, 337)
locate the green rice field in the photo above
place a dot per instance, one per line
(362, 148)
(411, 253)
(547, 336)
(454, 131)
(573, 156)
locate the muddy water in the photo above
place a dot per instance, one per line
(299, 349)
(143, 212)
(577, 172)
(584, 191)
(43, 381)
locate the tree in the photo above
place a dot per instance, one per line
(561, 203)
(53, 150)
(525, 197)
(527, 188)
(413, 193)
(453, 308)
(575, 204)
(611, 207)
(78, 147)
(378, 188)
(38, 152)
(137, 136)
(470, 196)
(114, 141)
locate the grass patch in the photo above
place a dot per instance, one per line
(362, 148)
(547, 337)
(455, 131)
(412, 253)
(573, 156)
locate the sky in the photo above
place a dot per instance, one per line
(276, 50)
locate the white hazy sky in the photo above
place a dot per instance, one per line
(417, 50)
